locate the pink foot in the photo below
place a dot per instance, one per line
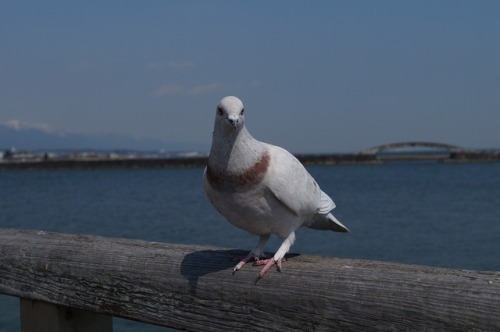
(268, 264)
(246, 259)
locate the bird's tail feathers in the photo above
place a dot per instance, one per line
(336, 225)
(326, 222)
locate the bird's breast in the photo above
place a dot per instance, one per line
(221, 179)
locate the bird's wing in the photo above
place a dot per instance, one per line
(326, 204)
(292, 185)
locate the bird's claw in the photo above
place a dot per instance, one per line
(257, 261)
(246, 259)
(268, 263)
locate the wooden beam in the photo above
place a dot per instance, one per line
(37, 316)
(192, 287)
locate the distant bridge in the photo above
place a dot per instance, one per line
(400, 145)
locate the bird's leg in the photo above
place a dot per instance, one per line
(255, 254)
(278, 256)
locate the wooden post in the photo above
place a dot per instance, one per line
(38, 316)
(193, 288)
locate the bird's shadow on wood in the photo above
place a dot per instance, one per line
(200, 263)
(203, 262)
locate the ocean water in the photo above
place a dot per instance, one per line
(445, 215)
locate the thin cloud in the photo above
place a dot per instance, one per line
(182, 65)
(204, 89)
(18, 125)
(177, 90)
(157, 65)
(168, 90)
(83, 65)
(174, 65)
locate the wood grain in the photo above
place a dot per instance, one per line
(193, 288)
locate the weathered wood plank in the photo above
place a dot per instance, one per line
(192, 287)
(37, 316)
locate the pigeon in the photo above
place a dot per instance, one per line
(261, 188)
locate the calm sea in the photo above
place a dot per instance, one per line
(445, 215)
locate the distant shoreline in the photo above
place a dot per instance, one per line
(200, 161)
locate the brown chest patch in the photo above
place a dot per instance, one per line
(223, 180)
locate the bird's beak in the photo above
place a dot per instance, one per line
(234, 120)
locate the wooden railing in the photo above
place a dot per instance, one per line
(70, 282)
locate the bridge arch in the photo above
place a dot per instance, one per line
(400, 145)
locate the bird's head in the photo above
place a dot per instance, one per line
(230, 114)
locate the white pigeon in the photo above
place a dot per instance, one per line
(261, 188)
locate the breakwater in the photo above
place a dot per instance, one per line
(200, 161)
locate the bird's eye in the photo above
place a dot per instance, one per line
(242, 111)
(220, 111)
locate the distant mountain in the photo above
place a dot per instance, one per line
(14, 134)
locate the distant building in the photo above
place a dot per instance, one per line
(13, 155)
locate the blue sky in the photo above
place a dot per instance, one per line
(323, 76)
